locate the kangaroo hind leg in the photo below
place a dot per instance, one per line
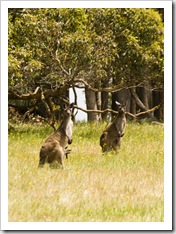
(60, 157)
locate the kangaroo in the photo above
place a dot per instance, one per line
(54, 147)
(111, 138)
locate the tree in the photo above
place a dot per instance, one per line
(56, 49)
(138, 59)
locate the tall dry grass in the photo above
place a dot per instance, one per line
(127, 187)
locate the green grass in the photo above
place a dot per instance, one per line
(127, 187)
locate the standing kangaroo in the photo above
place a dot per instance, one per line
(54, 147)
(111, 138)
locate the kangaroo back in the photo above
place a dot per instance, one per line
(54, 147)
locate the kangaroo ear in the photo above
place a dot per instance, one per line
(117, 103)
(124, 104)
(72, 105)
(64, 106)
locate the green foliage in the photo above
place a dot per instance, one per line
(127, 187)
(124, 44)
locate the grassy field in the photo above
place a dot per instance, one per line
(127, 187)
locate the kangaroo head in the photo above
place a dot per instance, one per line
(68, 109)
(121, 107)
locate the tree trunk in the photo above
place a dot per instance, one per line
(132, 105)
(91, 105)
(105, 100)
(145, 95)
(162, 106)
(158, 97)
(114, 99)
(104, 105)
(51, 117)
(121, 96)
(98, 101)
(137, 100)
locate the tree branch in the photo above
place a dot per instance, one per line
(50, 114)
(148, 111)
(61, 66)
(35, 95)
(27, 113)
(112, 90)
(138, 101)
(95, 111)
(116, 112)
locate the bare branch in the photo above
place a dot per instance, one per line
(61, 66)
(35, 95)
(112, 89)
(116, 112)
(95, 111)
(27, 113)
(137, 100)
(128, 113)
(148, 111)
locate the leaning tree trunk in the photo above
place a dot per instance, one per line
(132, 105)
(145, 95)
(91, 105)
(137, 100)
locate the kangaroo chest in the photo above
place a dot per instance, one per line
(120, 124)
(117, 128)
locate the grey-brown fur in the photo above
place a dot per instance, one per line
(111, 138)
(54, 147)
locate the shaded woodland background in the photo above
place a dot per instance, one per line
(112, 54)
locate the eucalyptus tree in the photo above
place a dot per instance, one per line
(128, 50)
(45, 50)
(56, 49)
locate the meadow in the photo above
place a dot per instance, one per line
(123, 187)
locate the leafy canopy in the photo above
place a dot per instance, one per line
(51, 47)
